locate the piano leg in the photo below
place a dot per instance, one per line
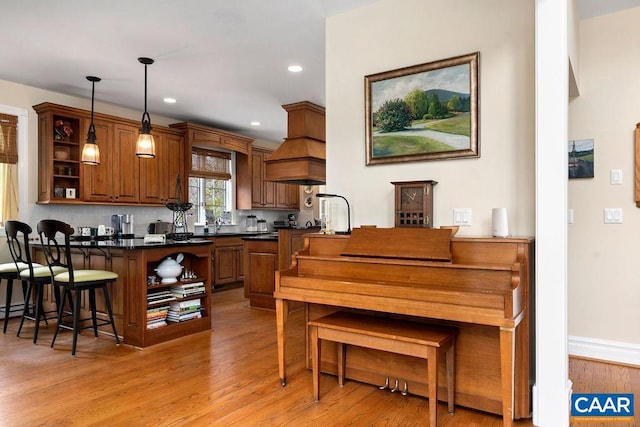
(282, 311)
(507, 358)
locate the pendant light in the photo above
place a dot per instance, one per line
(90, 150)
(146, 146)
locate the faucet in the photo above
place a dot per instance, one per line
(218, 223)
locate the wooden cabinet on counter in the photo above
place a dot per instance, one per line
(121, 178)
(268, 194)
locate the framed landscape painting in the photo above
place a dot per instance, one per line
(423, 112)
(581, 158)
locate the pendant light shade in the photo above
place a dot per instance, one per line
(90, 150)
(146, 146)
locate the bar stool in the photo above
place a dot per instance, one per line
(8, 273)
(35, 276)
(55, 238)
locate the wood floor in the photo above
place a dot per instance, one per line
(228, 377)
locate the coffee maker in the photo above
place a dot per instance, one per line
(293, 221)
(122, 226)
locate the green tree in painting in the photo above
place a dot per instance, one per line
(436, 109)
(454, 103)
(418, 101)
(394, 115)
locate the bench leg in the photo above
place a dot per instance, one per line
(451, 375)
(341, 362)
(315, 362)
(432, 374)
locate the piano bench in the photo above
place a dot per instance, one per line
(387, 334)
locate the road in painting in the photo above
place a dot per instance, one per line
(428, 112)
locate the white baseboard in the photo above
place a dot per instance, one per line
(611, 351)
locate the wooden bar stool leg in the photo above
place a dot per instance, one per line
(25, 309)
(92, 304)
(451, 376)
(342, 348)
(76, 320)
(110, 312)
(432, 374)
(315, 362)
(38, 307)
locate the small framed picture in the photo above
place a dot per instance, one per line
(70, 193)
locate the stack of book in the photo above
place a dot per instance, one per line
(181, 311)
(186, 290)
(160, 296)
(157, 317)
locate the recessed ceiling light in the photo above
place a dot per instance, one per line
(295, 68)
(169, 100)
(255, 123)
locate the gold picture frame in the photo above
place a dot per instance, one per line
(423, 112)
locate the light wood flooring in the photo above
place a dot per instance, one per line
(228, 377)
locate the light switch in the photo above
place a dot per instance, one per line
(462, 216)
(616, 176)
(570, 216)
(613, 215)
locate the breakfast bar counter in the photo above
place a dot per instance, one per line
(148, 310)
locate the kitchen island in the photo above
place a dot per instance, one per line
(138, 297)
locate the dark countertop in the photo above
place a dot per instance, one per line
(268, 237)
(137, 243)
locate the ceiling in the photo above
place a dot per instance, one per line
(225, 62)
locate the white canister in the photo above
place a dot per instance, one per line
(499, 222)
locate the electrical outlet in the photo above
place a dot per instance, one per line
(462, 217)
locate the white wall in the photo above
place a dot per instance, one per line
(391, 34)
(603, 279)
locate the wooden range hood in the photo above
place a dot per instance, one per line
(301, 159)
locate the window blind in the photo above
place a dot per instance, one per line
(210, 164)
(8, 139)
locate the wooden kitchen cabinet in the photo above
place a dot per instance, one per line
(159, 175)
(261, 263)
(261, 260)
(121, 177)
(228, 259)
(268, 194)
(263, 192)
(116, 179)
(59, 150)
(287, 196)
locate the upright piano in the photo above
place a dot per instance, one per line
(482, 286)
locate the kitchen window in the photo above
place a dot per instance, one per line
(209, 185)
(8, 167)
